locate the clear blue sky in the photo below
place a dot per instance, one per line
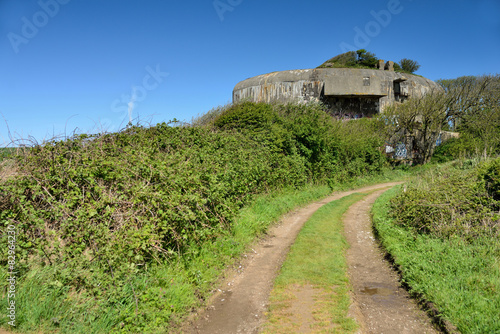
(80, 64)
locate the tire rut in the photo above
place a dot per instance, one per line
(240, 304)
(380, 303)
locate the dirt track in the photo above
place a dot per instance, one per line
(240, 304)
(380, 304)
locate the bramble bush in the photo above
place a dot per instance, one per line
(490, 174)
(136, 196)
(460, 200)
(99, 210)
(334, 151)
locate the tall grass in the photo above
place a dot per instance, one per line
(457, 273)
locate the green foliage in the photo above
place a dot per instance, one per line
(344, 60)
(451, 202)
(408, 65)
(397, 68)
(96, 215)
(460, 277)
(490, 173)
(178, 185)
(476, 140)
(332, 150)
(6, 153)
(468, 104)
(347, 59)
(255, 119)
(474, 112)
(444, 152)
(209, 116)
(366, 58)
(352, 59)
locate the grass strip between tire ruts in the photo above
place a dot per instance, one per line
(316, 261)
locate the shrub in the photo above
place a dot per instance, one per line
(352, 59)
(95, 211)
(451, 201)
(490, 173)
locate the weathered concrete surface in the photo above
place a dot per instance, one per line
(300, 85)
(318, 84)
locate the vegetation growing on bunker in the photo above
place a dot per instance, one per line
(365, 59)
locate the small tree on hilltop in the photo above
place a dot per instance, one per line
(409, 65)
(366, 58)
(348, 59)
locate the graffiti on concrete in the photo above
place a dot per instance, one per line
(401, 151)
(348, 115)
(439, 141)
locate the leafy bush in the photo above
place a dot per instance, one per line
(365, 59)
(95, 212)
(474, 112)
(452, 202)
(490, 173)
(332, 150)
(479, 136)
(6, 153)
(352, 59)
(139, 195)
(445, 152)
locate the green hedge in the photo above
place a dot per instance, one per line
(100, 209)
(452, 201)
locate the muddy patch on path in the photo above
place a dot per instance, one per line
(380, 303)
(241, 303)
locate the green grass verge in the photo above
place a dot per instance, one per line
(385, 175)
(317, 259)
(160, 297)
(461, 278)
(164, 294)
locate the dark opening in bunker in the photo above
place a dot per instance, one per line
(351, 106)
(400, 90)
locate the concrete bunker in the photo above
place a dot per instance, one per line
(347, 92)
